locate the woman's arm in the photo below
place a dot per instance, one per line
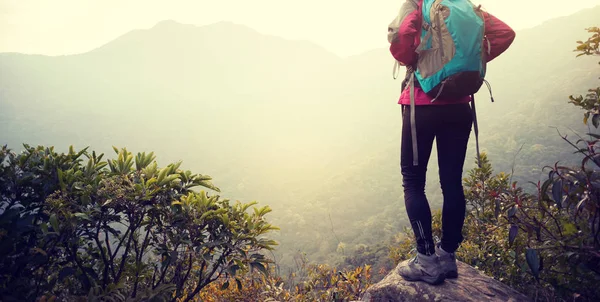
(403, 33)
(499, 36)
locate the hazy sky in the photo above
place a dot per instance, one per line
(345, 27)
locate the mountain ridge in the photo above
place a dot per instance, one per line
(171, 23)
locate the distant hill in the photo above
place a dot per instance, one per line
(286, 122)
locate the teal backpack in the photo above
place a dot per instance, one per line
(452, 58)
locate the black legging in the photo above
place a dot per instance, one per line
(450, 125)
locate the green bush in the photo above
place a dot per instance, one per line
(75, 226)
(562, 222)
(521, 240)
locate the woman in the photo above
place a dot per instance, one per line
(448, 121)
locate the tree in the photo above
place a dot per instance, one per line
(591, 102)
(75, 226)
(562, 223)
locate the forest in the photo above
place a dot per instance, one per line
(299, 195)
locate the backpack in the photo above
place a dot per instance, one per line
(452, 59)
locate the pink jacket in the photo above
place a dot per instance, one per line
(499, 37)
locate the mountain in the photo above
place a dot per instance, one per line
(286, 122)
(226, 84)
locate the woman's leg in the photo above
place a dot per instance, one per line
(413, 177)
(425, 266)
(452, 138)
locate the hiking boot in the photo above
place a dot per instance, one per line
(422, 268)
(447, 262)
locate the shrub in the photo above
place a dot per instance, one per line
(75, 226)
(562, 223)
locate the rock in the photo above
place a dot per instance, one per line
(471, 285)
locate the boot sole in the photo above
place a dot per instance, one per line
(433, 281)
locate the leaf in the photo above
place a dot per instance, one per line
(54, 222)
(91, 272)
(82, 216)
(61, 180)
(512, 234)
(239, 283)
(233, 269)
(533, 260)
(512, 211)
(151, 181)
(162, 174)
(538, 233)
(225, 219)
(168, 179)
(39, 250)
(44, 227)
(596, 120)
(569, 229)
(564, 200)
(260, 267)
(225, 285)
(497, 208)
(582, 202)
(557, 193)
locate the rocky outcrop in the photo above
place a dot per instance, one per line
(471, 285)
